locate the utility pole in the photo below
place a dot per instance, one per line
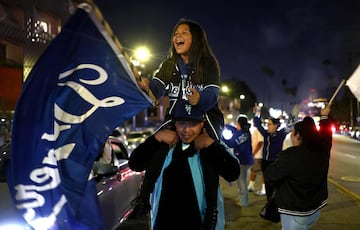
(351, 112)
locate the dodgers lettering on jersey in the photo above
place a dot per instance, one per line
(182, 89)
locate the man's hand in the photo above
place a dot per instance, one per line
(167, 136)
(203, 140)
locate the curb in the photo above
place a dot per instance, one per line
(345, 190)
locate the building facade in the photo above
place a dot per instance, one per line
(26, 28)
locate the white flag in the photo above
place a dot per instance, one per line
(354, 83)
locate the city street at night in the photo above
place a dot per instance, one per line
(107, 105)
(341, 213)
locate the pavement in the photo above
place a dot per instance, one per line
(341, 213)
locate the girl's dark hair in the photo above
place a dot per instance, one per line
(308, 133)
(243, 122)
(275, 121)
(200, 51)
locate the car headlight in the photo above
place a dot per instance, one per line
(14, 226)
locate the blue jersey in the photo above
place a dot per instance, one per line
(240, 142)
(176, 86)
(272, 142)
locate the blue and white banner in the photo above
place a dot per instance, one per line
(78, 92)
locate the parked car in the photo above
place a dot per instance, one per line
(134, 138)
(8, 217)
(117, 186)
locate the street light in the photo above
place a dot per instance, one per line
(241, 97)
(142, 54)
(225, 89)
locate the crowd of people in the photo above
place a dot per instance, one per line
(186, 156)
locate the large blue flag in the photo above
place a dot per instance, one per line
(78, 92)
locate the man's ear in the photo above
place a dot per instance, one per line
(298, 138)
(203, 124)
(203, 130)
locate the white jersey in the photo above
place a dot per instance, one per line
(287, 142)
(256, 137)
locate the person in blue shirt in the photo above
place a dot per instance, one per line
(190, 74)
(273, 142)
(240, 142)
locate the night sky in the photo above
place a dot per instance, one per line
(307, 44)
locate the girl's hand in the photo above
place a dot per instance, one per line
(194, 97)
(143, 83)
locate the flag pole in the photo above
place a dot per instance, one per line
(337, 91)
(114, 38)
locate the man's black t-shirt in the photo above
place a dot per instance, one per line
(180, 211)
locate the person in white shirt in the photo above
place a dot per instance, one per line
(257, 144)
(287, 142)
